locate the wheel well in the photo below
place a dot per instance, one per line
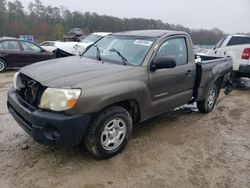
(1, 59)
(219, 82)
(132, 107)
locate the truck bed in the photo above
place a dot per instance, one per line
(208, 70)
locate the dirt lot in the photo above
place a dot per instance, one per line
(179, 149)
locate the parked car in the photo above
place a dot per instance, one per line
(15, 53)
(76, 32)
(77, 48)
(49, 45)
(73, 35)
(237, 47)
(123, 79)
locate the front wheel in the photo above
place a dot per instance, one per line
(109, 132)
(208, 104)
(2, 66)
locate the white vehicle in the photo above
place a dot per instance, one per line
(50, 45)
(237, 47)
(77, 48)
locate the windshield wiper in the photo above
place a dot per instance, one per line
(125, 61)
(98, 53)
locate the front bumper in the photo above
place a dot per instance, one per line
(48, 128)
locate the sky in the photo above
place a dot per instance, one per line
(231, 16)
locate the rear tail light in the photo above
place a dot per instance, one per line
(246, 53)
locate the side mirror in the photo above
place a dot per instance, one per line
(43, 50)
(163, 63)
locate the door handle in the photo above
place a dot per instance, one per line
(189, 73)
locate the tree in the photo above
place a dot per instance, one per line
(58, 31)
(37, 9)
(3, 17)
(16, 10)
(2, 6)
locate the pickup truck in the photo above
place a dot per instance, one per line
(123, 79)
(238, 48)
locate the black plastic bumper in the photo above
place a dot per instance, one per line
(48, 128)
(244, 71)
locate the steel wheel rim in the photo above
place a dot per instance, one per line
(113, 134)
(211, 98)
(1, 66)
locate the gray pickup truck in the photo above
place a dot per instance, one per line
(121, 80)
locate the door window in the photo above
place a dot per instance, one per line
(176, 48)
(29, 47)
(1, 46)
(11, 45)
(238, 41)
(47, 44)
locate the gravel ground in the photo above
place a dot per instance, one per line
(179, 149)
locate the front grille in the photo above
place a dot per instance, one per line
(29, 90)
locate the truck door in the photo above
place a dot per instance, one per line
(171, 88)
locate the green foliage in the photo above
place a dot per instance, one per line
(52, 23)
(15, 10)
(2, 6)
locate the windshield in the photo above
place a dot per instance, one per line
(91, 39)
(121, 49)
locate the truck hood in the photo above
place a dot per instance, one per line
(70, 71)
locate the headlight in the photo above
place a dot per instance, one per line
(15, 80)
(59, 99)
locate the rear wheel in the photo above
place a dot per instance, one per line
(2, 66)
(109, 133)
(208, 104)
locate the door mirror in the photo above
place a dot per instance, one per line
(163, 63)
(43, 50)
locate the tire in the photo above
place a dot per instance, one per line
(208, 104)
(2, 65)
(109, 132)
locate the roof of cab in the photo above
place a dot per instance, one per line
(148, 33)
(101, 33)
(238, 35)
(7, 38)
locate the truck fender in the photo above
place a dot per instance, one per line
(96, 99)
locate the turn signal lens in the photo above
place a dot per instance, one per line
(59, 99)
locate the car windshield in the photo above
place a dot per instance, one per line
(121, 49)
(91, 39)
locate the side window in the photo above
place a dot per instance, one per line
(29, 47)
(176, 48)
(11, 45)
(238, 41)
(1, 46)
(48, 44)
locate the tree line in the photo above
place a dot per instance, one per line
(52, 23)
